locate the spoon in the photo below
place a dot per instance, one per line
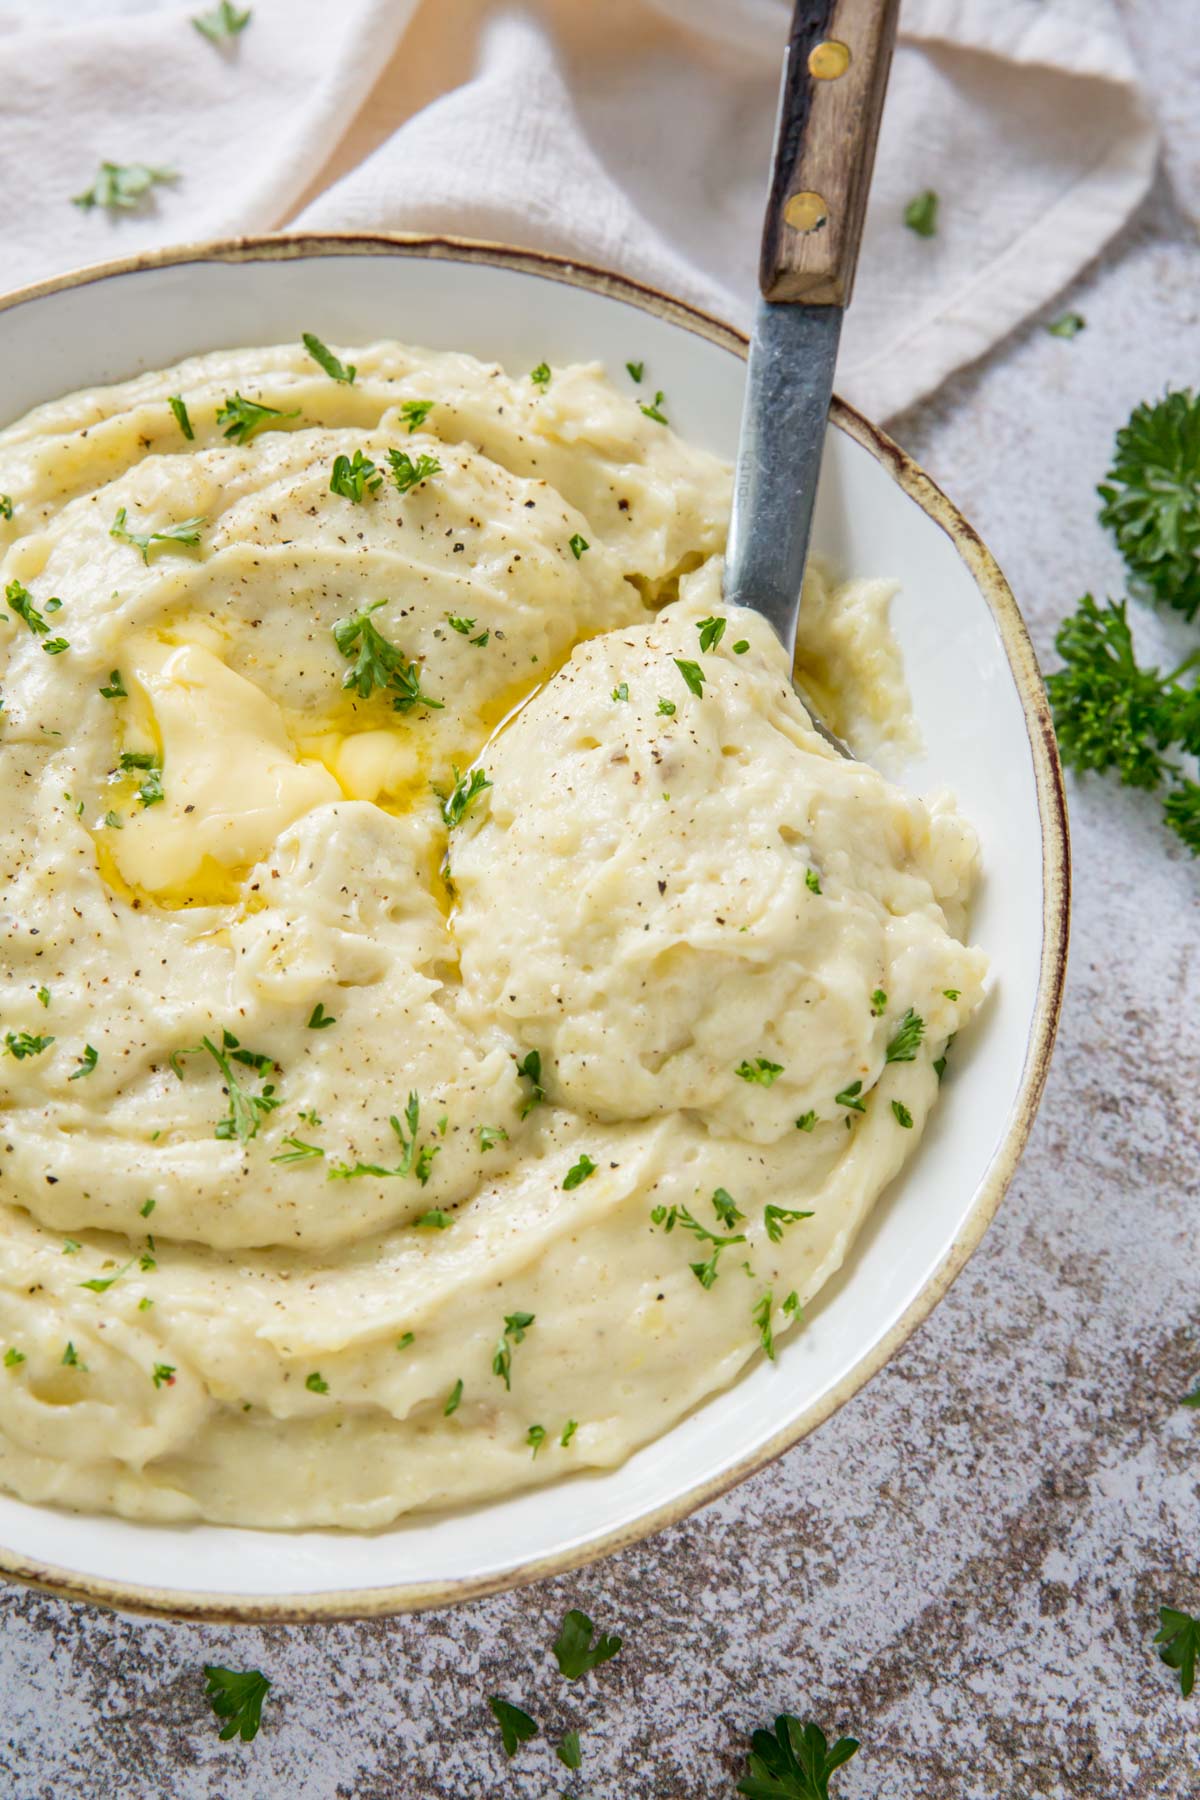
(834, 79)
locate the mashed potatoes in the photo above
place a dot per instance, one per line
(455, 1010)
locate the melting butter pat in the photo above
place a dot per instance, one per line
(231, 778)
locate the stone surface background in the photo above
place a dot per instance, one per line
(963, 1567)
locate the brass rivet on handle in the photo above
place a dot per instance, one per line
(828, 60)
(806, 212)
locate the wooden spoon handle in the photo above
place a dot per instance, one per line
(834, 80)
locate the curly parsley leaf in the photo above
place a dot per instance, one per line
(414, 413)
(1151, 498)
(323, 356)
(727, 1209)
(87, 1063)
(578, 545)
(530, 1070)
(693, 675)
(540, 376)
(115, 690)
(236, 1696)
(578, 1173)
(467, 789)
(378, 664)
(1179, 1638)
(21, 1044)
(711, 632)
(407, 471)
(20, 601)
(776, 1217)
(574, 1649)
(902, 1047)
(244, 419)
(760, 1071)
(793, 1762)
(121, 187)
(515, 1326)
(516, 1727)
(354, 477)
(186, 533)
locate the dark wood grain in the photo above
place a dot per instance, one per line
(825, 146)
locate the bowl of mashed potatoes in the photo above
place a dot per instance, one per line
(480, 1075)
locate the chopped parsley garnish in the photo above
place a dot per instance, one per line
(516, 1727)
(794, 1762)
(491, 1135)
(776, 1217)
(219, 26)
(515, 1327)
(323, 356)
(574, 1650)
(13, 1358)
(43, 995)
(237, 1698)
(850, 1096)
(878, 1003)
(762, 1317)
(298, 1151)
(21, 1044)
(621, 691)
(667, 708)
(711, 632)
(407, 1341)
(71, 1247)
(1179, 1637)
(6, 506)
(56, 645)
(806, 1121)
(466, 790)
(655, 411)
(353, 478)
(578, 545)
(21, 602)
(100, 1284)
(87, 1063)
(246, 1110)
(407, 471)
(187, 532)
(907, 1037)
(178, 406)
(121, 187)
(812, 881)
(454, 1400)
(116, 687)
(921, 214)
(412, 1162)
(378, 664)
(244, 419)
(319, 1019)
(693, 675)
(761, 1071)
(464, 626)
(569, 1430)
(578, 1172)
(636, 370)
(902, 1114)
(163, 1375)
(951, 993)
(316, 1383)
(71, 1358)
(147, 1207)
(1067, 325)
(568, 1752)
(726, 1208)
(435, 1219)
(530, 1070)
(741, 647)
(705, 1272)
(535, 1437)
(414, 413)
(540, 376)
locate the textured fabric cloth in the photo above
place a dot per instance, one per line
(634, 133)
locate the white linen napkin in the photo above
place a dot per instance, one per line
(635, 133)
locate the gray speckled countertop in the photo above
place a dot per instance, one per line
(963, 1567)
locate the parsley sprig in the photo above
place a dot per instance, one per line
(244, 419)
(378, 664)
(408, 471)
(793, 1762)
(413, 1161)
(1179, 1640)
(1151, 498)
(236, 1696)
(246, 1109)
(353, 478)
(186, 533)
(467, 789)
(323, 356)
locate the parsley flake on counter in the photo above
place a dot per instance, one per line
(414, 413)
(794, 1762)
(812, 881)
(907, 1037)
(621, 691)
(178, 406)
(115, 690)
(515, 1327)
(236, 1696)
(163, 1375)
(921, 214)
(121, 187)
(655, 411)
(693, 675)
(530, 1070)
(13, 1358)
(298, 1151)
(466, 790)
(568, 1752)
(540, 376)
(319, 1019)
(1179, 1637)
(1067, 325)
(87, 1063)
(569, 1430)
(902, 1114)
(850, 1096)
(806, 1121)
(187, 532)
(578, 1172)
(776, 1217)
(636, 370)
(535, 1437)
(667, 708)
(354, 477)
(574, 1650)
(223, 23)
(407, 472)
(1192, 1399)
(244, 419)
(711, 632)
(516, 1727)
(323, 356)
(6, 506)
(726, 1208)
(760, 1071)
(455, 1399)
(578, 545)
(316, 1383)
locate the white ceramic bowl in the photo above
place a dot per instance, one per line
(988, 736)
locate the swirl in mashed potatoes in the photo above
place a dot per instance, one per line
(456, 1011)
